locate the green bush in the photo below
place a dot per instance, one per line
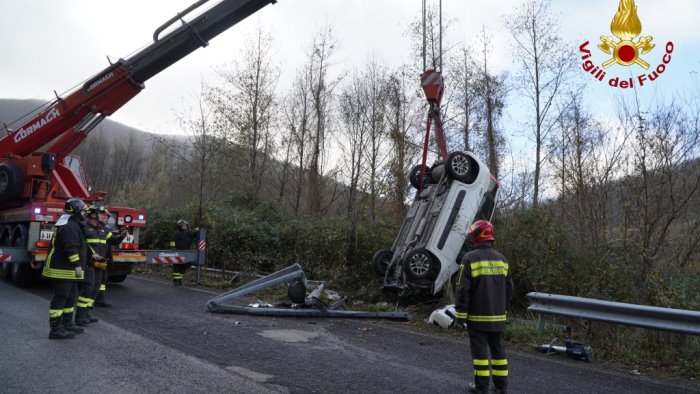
(264, 239)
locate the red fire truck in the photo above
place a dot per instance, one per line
(35, 184)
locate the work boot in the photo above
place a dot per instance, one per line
(91, 318)
(68, 324)
(57, 331)
(81, 317)
(471, 388)
(101, 302)
(177, 282)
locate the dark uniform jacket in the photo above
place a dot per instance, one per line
(182, 239)
(484, 289)
(68, 250)
(99, 238)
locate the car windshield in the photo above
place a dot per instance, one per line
(488, 202)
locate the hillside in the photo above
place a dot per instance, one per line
(14, 112)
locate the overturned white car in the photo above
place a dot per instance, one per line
(424, 256)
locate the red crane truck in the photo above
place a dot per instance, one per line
(35, 184)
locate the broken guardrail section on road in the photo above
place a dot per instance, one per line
(312, 304)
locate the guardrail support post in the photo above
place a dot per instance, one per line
(540, 326)
(201, 249)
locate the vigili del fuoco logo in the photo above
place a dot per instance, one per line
(626, 50)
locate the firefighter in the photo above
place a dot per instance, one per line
(85, 300)
(483, 291)
(99, 239)
(65, 266)
(181, 240)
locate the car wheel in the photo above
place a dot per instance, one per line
(459, 166)
(381, 261)
(419, 264)
(414, 176)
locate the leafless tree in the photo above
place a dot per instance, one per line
(660, 196)
(545, 63)
(320, 88)
(463, 80)
(201, 152)
(375, 82)
(353, 137)
(492, 91)
(289, 124)
(403, 114)
(246, 104)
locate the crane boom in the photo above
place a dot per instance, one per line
(107, 91)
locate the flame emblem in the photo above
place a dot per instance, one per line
(626, 26)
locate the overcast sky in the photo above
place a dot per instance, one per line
(52, 45)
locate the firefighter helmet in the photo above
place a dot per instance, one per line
(74, 206)
(181, 222)
(480, 231)
(97, 208)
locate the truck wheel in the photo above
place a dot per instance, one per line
(414, 176)
(381, 261)
(420, 264)
(22, 273)
(6, 240)
(459, 166)
(6, 271)
(11, 181)
(117, 278)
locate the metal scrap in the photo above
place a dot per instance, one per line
(310, 306)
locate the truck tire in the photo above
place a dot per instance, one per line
(22, 273)
(11, 181)
(459, 167)
(6, 240)
(420, 264)
(6, 271)
(381, 261)
(117, 278)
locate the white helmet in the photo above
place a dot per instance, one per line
(443, 317)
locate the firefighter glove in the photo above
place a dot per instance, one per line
(97, 257)
(78, 272)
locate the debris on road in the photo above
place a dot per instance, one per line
(310, 305)
(443, 317)
(572, 349)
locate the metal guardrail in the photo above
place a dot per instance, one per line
(290, 275)
(667, 319)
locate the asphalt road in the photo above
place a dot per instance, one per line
(160, 338)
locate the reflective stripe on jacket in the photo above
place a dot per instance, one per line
(484, 289)
(68, 250)
(99, 238)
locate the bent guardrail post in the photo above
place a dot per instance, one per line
(201, 252)
(291, 274)
(285, 275)
(667, 319)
